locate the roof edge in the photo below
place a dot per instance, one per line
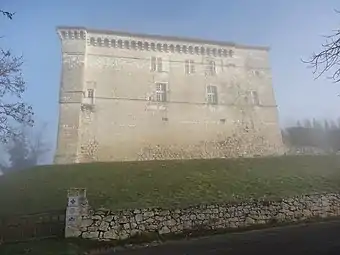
(163, 37)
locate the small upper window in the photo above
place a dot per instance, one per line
(156, 64)
(90, 93)
(161, 92)
(255, 98)
(90, 96)
(189, 66)
(212, 94)
(211, 67)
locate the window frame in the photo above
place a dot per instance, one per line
(212, 94)
(159, 64)
(211, 67)
(156, 64)
(90, 95)
(189, 66)
(161, 92)
(255, 97)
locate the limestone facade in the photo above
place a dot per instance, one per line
(127, 96)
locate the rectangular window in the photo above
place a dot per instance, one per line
(255, 98)
(156, 64)
(211, 67)
(161, 92)
(89, 96)
(153, 64)
(189, 66)
(90, 93)
(159, 65)
(212, 94)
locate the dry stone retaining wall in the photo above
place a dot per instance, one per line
(109, 225)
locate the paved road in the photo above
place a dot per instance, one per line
(311, 239)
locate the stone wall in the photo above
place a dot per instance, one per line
(109, 225)
(234, 146)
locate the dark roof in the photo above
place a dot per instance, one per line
(166, 37)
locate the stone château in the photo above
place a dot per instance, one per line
(128, 96)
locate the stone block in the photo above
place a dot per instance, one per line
(104, 226)
(164, 230)
(112, 235)
(91, 235)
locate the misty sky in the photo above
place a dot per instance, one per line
(292, 28)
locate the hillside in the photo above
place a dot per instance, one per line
(168, 183)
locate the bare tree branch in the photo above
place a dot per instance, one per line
(328, 59)
(12, 87)
(7, 14)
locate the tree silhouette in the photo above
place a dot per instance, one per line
(24, 150)
(324, 137)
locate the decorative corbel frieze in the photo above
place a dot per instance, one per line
(151, 45)
(72, 34)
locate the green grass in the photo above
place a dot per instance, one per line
(52, 247)
(120, 185)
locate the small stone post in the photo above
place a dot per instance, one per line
(77, 207)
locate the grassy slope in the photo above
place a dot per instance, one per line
(168, 183)
(51, 247)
